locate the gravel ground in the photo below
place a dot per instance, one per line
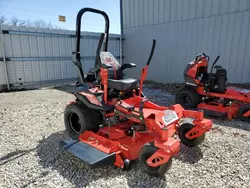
(31, 126)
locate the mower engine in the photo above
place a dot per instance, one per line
(196, 74)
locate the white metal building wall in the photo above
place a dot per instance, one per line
(42, 57)
(183, 29)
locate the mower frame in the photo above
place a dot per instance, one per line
(131, 126)
(210, 100)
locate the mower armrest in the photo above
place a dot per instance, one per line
(106, 66)
(128, 65)
(217, 67)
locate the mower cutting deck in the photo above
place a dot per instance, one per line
(209, 91)
(112, 122)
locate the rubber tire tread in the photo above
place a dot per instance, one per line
(242, 110)
(148, 150)
(88, 119)
(183, 129)
(195, 97)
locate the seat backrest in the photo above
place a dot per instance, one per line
(115, 72)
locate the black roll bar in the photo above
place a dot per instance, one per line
(98, 51)
(76, 53)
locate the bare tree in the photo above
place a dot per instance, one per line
(22, 23)
(28, 23)
(40, 24)
(57, 27)
(14, 21)
(3, 19)
(50, 26)
(44, 25)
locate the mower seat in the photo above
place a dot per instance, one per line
(116, 78)
(123, 84)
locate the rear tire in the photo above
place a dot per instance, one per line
(187, 98)
(243, 109)
(78, 118)
(183, 129)
(146, 152)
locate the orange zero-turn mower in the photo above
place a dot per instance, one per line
(112, 122)
(208, 91)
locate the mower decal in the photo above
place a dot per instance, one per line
(110, 62)
(108, 59)
(91, 98)
(170, 117)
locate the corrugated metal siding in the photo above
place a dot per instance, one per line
(47, 71)
(183, 29)
(2, 66)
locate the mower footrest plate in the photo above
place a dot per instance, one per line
(88, 154)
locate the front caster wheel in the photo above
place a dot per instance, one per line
(127, 164)
(146, 152)
(243, 109)
(183, 129)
